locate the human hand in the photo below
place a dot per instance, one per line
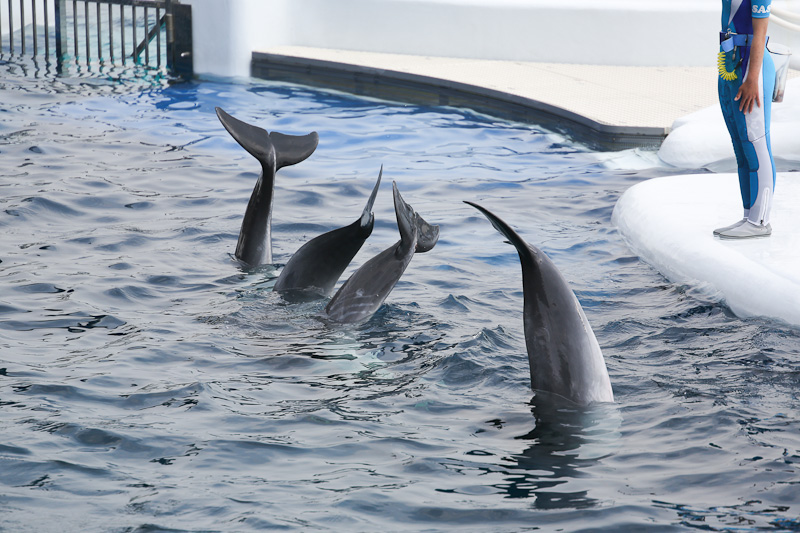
(748, 95)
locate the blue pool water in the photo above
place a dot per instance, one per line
(149, 383)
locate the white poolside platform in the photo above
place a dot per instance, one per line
(668, 222)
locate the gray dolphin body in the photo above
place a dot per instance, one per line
(312, 272)
(563, 353)
(364, 292)
(274, 151)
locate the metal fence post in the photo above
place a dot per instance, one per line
(170, 32)
(21, 24)
(10, 26)
(76, 25)
(35, 29)
(46, 31)
(179, 39)
(60, 7)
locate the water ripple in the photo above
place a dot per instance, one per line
(145, 375)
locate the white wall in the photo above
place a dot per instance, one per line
(575, 31)
(226, 32)
(613, 32)
(555, 31)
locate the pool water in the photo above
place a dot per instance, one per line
(150, 383)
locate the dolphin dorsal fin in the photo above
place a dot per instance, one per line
(288, 149)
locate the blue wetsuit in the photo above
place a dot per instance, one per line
(749, 131)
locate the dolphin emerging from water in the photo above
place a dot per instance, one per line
(314, 269)
(563, 353)
(368, 287)
(274, 151)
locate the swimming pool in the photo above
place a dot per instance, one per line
(148, 383)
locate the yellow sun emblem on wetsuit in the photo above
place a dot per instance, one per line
(724, 73)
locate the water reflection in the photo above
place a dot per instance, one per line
(65, 75)
(565, 443)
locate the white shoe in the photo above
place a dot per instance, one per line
(728, 228)
(747, 230)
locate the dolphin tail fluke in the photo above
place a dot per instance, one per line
(427, 235)
(503, 228)
(367, 217)
(288, 149)
(405, 219)
(414, 230)
(291, 149)
(252, 138)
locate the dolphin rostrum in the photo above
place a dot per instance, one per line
(563, 353)
(314, 269)
(364, 292)
(274, 151)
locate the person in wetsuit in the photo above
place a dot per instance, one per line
(745, 85)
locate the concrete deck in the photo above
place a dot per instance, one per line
(615, 106)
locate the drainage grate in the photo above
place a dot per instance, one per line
(155, 34)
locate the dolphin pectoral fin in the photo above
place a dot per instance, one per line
(367, 218)
(291, 149)
(413, 228)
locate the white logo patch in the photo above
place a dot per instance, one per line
(761, 9)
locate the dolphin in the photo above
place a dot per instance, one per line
(364, 292)
(563, 353)
(312, 272)
(274, 151)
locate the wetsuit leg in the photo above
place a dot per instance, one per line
(727, 93)
(751, 142)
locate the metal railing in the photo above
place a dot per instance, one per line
(149, 33)
(785, 18)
